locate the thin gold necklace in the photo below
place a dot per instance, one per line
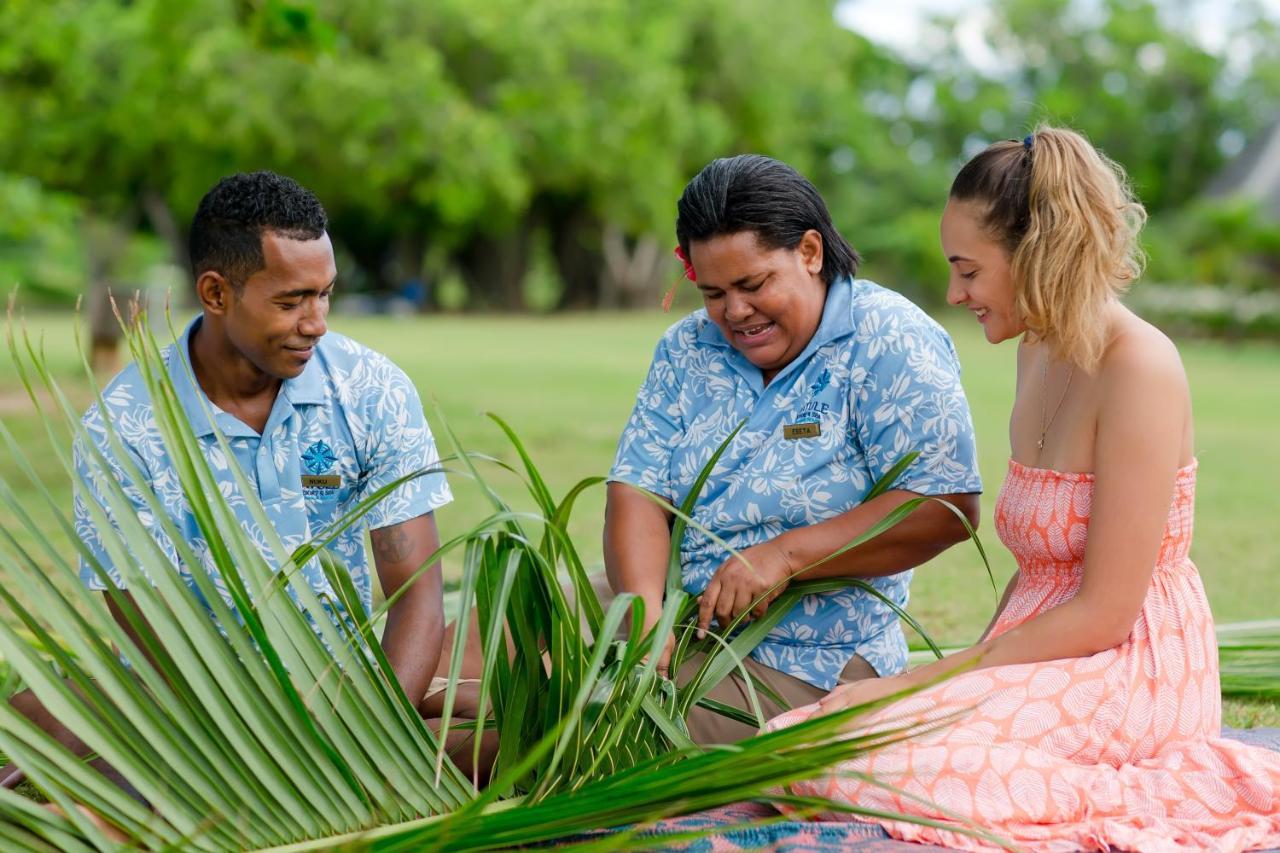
(1044, 401)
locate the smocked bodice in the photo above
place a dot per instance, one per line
(1042, 516)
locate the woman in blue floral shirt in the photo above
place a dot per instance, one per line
(837, 378)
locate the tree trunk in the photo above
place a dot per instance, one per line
(104, 244)
(494, 266)
(576, 247)
(411, 276)
(636, 271)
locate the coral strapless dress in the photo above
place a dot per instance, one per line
(1119, 749)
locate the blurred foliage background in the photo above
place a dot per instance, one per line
(525, 155)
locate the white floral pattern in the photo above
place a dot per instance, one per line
(351, 413)
(880, 378)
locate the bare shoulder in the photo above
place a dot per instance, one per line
(1141, 360)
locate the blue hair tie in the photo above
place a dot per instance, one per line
(1027, 140)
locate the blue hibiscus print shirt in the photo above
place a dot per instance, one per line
(879, 379)
(348, 425)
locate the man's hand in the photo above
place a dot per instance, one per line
(763, 569)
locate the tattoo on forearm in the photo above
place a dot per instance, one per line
(392, 544)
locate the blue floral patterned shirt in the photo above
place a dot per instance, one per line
(879, 379)
(349, 424)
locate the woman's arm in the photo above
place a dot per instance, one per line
(637, 544)
(926, 532)
(1138, 449)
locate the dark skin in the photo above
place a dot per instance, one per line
(254, 336)
(768, 303)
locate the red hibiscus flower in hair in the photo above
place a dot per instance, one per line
(688, 273)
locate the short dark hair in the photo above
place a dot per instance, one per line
(752, 192)
(226, 234)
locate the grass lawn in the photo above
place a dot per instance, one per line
(567, 383)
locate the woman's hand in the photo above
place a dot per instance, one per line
(760, 569)
(861, 692)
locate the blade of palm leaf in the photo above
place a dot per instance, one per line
(493, 642)
(72, 773)
(470, 572)
(461, 451)
(901, 613)
(313, 546)
(531, 698)
(53, 765)
(726, 651)
(643, 681)
(891, 519)
(729, 711)
(71, 416)
(382, 676)
(537, 486)
(888, 478)
(763, 687)
(973, 537)
(159, 740)
(612, 619)
(671, 730)
(707, 677)
(715, 666)
(488, 524)
(687, 505)
(57, 795)
(584, 594)
(28, 825)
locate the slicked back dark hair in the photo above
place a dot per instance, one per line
(755, 193)
(226, 234)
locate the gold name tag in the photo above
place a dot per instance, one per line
(321, 481)
(794, 431)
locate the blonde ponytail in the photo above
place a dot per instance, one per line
(1070, 223)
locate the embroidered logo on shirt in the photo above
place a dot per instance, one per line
(318, 459)
(809, 422)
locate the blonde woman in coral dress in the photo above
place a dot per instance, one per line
(1089, 715)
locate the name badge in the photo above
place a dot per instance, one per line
(321, 481)
(794, 431)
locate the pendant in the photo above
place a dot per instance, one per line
(1040, 444)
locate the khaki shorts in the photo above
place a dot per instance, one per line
(708, 727)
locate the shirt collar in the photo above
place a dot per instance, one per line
(307, 388)
(833, 325)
